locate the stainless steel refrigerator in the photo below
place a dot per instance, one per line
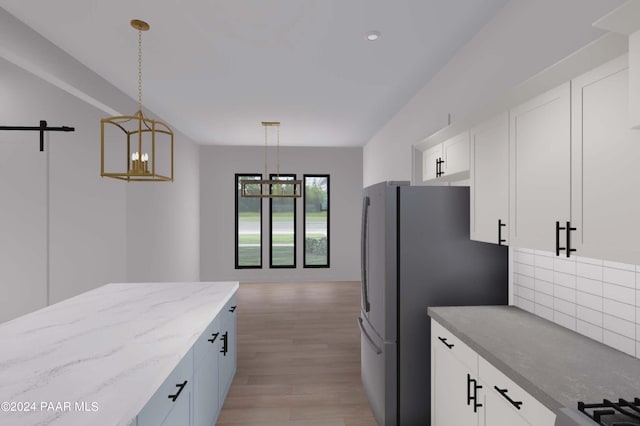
(416, 253)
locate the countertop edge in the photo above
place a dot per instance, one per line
(512, 374)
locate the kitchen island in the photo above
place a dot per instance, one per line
(101, 357)
(554, 365)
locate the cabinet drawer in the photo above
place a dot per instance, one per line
(466, 355)
(157, 408)
(530, 409)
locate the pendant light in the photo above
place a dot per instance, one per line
(271, 188)
(146, 150)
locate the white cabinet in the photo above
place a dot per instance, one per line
(206, 376)
(540, 150)
(489, 172)
(468, 390)
(430, 162)
(448, 161)
(605, 153)
(228, 351)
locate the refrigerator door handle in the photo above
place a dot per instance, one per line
(378, 350)
(363, 254)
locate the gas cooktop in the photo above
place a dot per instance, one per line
(610, 413)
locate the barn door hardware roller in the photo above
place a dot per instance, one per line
(41, 128)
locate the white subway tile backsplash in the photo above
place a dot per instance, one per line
(564, 320)
(597, 298)
(544, 312)
(619, 293)
(567, 308)
(590, 315)
(589, 286)
(544, 299)
(592, 331)
(619, 309)
(589, 301)
(564, 265)
(544, 287)
(524, 281)
(589, 271)
(619, 342)
(620, 326)
(620, 277)
(544, 274)
(565, 293)
(543, 262)
(618, 265)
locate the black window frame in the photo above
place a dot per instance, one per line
(238, 176)
(304, 219)
(295, 225)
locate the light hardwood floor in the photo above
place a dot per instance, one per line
(298, 357)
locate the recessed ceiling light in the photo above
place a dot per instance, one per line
(373, 35)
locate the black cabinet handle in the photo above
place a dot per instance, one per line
(180, 387)
(232, 309)
(437, 167)
(500, 225)
(214, 337)
(558, 248)
(225, 340)
(569, 229)
(473, 398)
(503, 392)
(444, 340)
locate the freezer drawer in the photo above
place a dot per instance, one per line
(378, 367)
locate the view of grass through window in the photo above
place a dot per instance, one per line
(316, 220)
(248, 225)
(283, 228)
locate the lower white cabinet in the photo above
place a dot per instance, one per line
(193, 394)
(467, 390)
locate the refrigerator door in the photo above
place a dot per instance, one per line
(378, 371)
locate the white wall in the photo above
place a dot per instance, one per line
(218, 166)
(64, 229)
(524, 38)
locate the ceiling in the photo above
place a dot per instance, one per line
(214, 69)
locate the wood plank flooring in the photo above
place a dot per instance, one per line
(298, 357)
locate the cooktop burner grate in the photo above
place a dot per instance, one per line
(609, 413)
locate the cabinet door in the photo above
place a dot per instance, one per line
(227, 359)
(455, 153)
(429, 158)
(540, 150)
(181, 409)
(206, 378)
(490, 180)
(498, 411)
(606, 152)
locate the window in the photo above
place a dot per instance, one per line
(316, 221)
(282, 238)
(248, 225)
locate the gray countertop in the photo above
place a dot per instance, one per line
(555, 365)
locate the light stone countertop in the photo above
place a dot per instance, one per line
(555, 365)
(109, 348)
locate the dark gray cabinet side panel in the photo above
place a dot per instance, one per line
(439, 266)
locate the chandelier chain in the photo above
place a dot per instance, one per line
(140, 70)
(266, 176)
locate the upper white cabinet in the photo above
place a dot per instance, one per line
(448, 161)
(605, 152)
(540, 150)
(489, 174)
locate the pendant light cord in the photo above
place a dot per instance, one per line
(140, 70)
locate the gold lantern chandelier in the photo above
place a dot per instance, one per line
(146, 139)
(271, 188)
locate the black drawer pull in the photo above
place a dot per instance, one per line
(500, 225)
(232, 309)
(214, 337)
(444, 340)
(180, 387)
(558, 248)
(569, 229)
(225, 339)
(503, 392)
(473, 398)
